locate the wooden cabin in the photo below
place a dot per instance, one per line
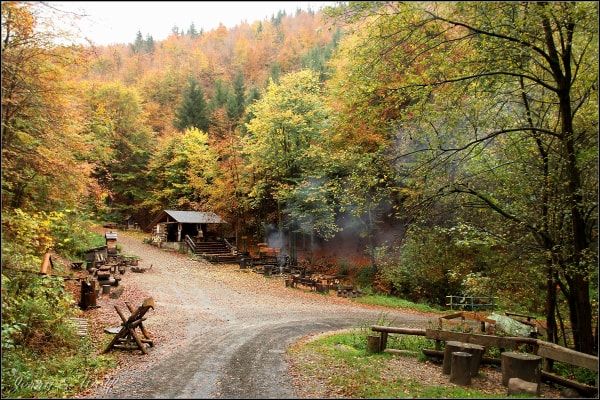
(173, 226)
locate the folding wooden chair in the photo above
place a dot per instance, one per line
(127, 338)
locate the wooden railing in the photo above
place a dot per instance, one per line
(191, 244)
(232, 248)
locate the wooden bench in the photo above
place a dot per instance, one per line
(266, 264)
(264, 250)
(306, 282)
(527, 320)
(463, 315)
(348, 291)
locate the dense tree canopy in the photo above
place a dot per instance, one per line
(42, 153)
(495, 105)
(287, 152)
(456, 142)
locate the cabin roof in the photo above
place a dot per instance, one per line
(188, 217)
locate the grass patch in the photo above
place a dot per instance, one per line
(394, 302)
(342, 363)
(57, 374)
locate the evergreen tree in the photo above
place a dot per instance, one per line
(139, 42)
(192, 32)
(235, 102)
(220, 95)
(275, 72)
(276, 20)
(253, 94)
(149, 44)
(193, 111)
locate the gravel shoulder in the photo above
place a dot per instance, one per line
(220, 331)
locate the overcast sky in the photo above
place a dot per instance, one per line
(110, 22)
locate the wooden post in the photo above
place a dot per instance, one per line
(474, 349)
(46, 263)
(384, 337)
(460, 373)
(525, 366)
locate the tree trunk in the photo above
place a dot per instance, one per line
(574, 266)
(371, 243)
(581, 314)
(551, 287)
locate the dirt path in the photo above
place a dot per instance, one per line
(219, 331)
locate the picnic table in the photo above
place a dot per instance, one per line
(320, 283)
(269, 260)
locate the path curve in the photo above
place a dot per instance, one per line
(221, 331)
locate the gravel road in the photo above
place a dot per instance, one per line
(219, 331)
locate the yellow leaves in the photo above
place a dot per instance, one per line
(17, 21)
(31, 229)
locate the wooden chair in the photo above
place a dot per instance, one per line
(127, 338)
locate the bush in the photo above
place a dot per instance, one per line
(42, 355)
(35, 313)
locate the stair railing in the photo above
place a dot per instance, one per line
(232, 248)
(191, 244)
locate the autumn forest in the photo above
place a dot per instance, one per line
(453, 145)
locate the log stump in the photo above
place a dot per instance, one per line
(322, 288)
(474, 349)
(460, 371)
(525, 366)
(374, 343)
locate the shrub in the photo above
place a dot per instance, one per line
(35, 313)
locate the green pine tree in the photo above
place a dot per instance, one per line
(220, 95)
(235, 102)
(193, 111)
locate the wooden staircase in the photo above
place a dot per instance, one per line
(215, 252)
